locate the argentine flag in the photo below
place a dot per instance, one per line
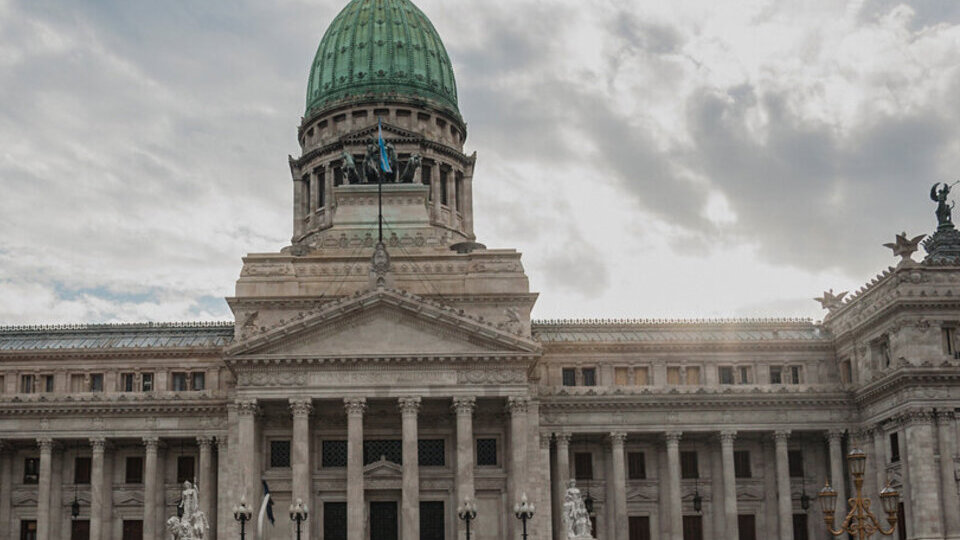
(384, 159)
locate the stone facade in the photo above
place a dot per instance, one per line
(383, 387)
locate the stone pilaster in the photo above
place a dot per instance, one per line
(675, 497)
(923, 480)
(98, 446)
(837, 479)
(249, 469)
(732, 528)
(517, 479)
(356, 527)
(947, 436)
(6, 482)
(463, 407)
(544, 506)
(43, 489)
(208, 482)
(617, 440)
(563, 478)
(410, 495)
(150, 499)
(300, 409)
(784, 497)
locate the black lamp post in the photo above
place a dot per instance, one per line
(467, 512)
(242, 514)
(524, 511)
(298, 514)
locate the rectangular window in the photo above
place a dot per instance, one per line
(747, 526)
(321, 188)
(800, 527)
(334, 521)
(76, 383)
(431, 453)
(741, 464)
(390, 450)
(127, 382)
(185, 469)
(620, 376)
(81, 470)
(47, 381)
(692, 528)
(443, 187)
(198, 380)
(426, 172)
(306, 193)
(458, 191)
(846, 371)
(96, 382)
(693, 376)
(689, 466)
(639, 527)
(795, 463)
(26, 384)
(28, 529)
(776, 375)
(673, 376)
(745, 375)
(179, 382)
(569, 377)
(949, 344)
(146, 382)
(333, 454)
(725, 373)
(794, 375)
(641, 376)
(134, 470)
(636, 466)
(31, 470)
(589, 376)
(486, 452)
(894, 447)
(432, 520)
(280, 454)
(583, 465)
(338, 176)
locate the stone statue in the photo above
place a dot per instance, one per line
(371, 163)
(905, 247)
(192, 523)
(576, 521)
(944, 209)
(350, 174)
(831, 301)
(411, 169)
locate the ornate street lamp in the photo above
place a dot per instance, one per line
(467, 512)
(524, 511)
(298, 514)
(242, 514)
(860, 521)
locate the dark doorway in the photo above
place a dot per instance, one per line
(800, 531)
(431, 520)
(639, 527)
(28, 530)
(335, 521)
(747, 525)
(692, 528)
(132, 529)
(383, 521)
(901, 522)
(80, 529)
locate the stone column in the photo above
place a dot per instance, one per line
(946, 424)
(355, 505)
(150, 487)
(226, 474)
(675, 496)
(880, 454)
(617, 440)
(729, 485)
(300, 456)
(410, 497)
(98, 445)
(467, 210)
(208, 482)
(43, 489)
(298, 203)
(249, 469)
(516, 479)
(784, 497)
(6, 482)
(924, 495)
(544, 505)
(463, 407)
(837, 479)
(435, 191)
(563, 478)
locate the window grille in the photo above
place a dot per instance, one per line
(392, 450)
(333, 454)
(486, 452)
(430, 453)
(279, 454)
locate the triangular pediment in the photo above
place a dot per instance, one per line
(384, 323)
(390, 131)
(382, 467)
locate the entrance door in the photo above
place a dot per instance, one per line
(28, 530)
(747, 525)
(639, 527)
(80, 529)
(132, 529)
(692, 528)
(383, 521)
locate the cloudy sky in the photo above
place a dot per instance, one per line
(691, 158)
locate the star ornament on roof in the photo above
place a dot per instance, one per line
(831, 301)
(905, 247)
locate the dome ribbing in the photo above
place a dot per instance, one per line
(381, 48)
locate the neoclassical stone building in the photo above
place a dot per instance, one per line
(384, 386)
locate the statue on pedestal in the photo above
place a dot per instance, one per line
(576, 520)
(191, 523)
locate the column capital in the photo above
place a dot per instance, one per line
(247, 407)
(517, 405)
(727, 436)
(205, 441)
(781, 436)
(45, 443)
(673, 436)
(544, 440)
(409, 406)
(464, 405)
(834, 435)
(917, 416)
(98, 444)
(152, 443)
(355, 406)
(563, 438)
(944, 415)
(301, 407)
(617, 438)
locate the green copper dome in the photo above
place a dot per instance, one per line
(381, 48)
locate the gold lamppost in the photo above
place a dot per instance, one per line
(860, 522)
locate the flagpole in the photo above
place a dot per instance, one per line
(380, 207)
